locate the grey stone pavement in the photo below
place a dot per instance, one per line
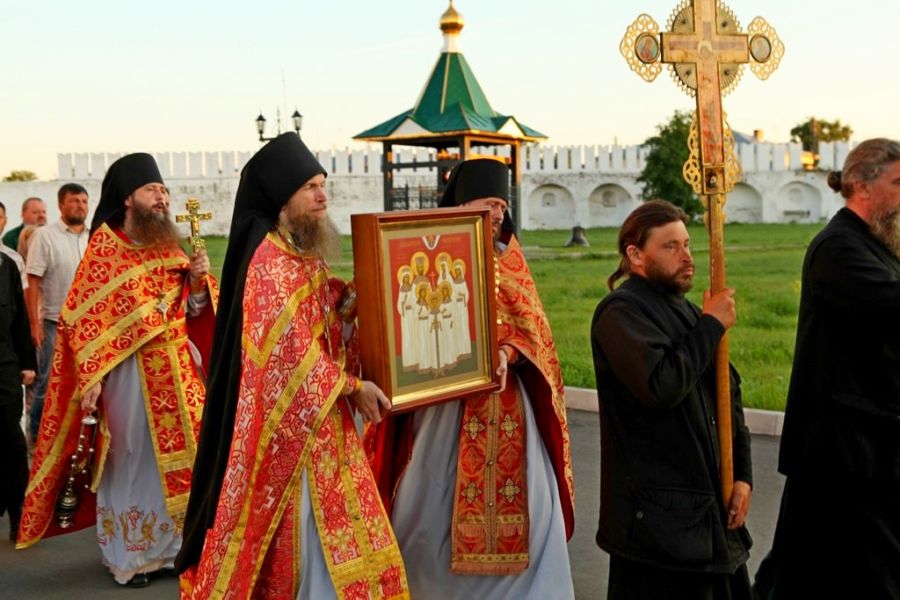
(68, 567)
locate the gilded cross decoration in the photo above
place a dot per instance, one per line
(706, 51)
(473, 427)
(470, 492)
(194, 216)
(509, 490)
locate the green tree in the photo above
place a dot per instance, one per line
(21, 176)
(662, 178)
(813, 130)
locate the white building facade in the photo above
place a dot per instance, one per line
(562, 186)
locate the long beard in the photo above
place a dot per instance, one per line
(886, 227)
(319, 235)
(673, 284)
(152, 228)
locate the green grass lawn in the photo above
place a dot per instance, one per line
(763, 264)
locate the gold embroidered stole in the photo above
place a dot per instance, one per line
(490, 510)
(360, 550)
(490, 518)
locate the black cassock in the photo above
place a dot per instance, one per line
(838, 532)
(662, 518)
(16, 355)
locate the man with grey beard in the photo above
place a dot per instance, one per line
(128, 350)
(281, 482)
(840, 448)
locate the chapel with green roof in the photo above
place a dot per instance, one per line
(453, 116)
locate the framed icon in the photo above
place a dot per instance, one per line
(426, 303)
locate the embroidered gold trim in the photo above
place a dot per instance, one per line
(220, 588)
(370, 561)
(115, 283)
(260, 354)
(293, 484)
(125, 323)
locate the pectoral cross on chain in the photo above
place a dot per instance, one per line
(706, 50)
(194, 216)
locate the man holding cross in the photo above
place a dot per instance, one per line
(663, 518)
(131, 334)
(675, 460)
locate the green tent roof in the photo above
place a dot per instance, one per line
(452, 101)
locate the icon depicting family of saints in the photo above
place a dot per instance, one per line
(433, 309)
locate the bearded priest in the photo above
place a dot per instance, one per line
(283, 504)
(481, 488)
(129, 347)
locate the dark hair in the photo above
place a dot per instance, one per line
(864, 164)
(636, 229)
(69, 188)
(3, 207)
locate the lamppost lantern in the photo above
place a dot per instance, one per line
(297, 118)
(260, 126)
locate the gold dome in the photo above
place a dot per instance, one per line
(451, 21)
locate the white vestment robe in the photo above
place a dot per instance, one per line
(423, 509)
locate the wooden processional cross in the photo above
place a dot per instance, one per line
(706, 51)
(194, 216)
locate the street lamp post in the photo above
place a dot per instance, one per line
(296, 119)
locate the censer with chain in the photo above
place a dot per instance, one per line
(80, 469)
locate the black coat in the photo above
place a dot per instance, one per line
(843, 410)
(840, 447)
(16, 350)
(660, 497)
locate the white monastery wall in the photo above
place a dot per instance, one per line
(562, 186)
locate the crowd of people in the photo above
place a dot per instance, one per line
(225, 432)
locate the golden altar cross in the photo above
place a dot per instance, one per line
(194, 216)
(706, 48)
(705, 51)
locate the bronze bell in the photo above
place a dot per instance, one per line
(578, 237)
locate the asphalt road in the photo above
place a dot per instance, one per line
(68, 567)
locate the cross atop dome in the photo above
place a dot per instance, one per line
(451, 24)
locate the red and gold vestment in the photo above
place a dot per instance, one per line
(125, 300)
(490, 523)
(294, 428)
